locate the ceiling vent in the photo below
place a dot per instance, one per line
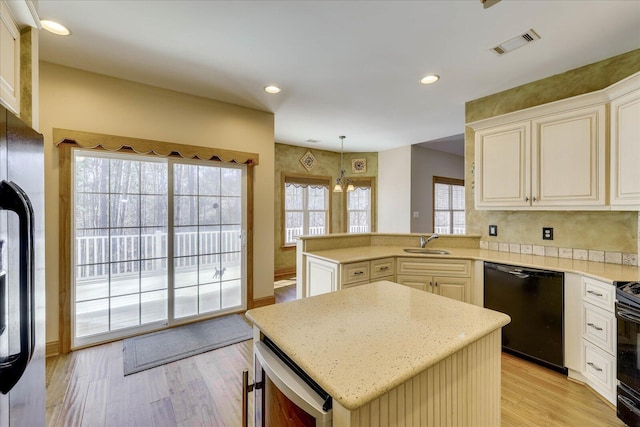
(516, 42)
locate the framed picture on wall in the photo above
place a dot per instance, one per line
(308, 161)
(358, 165)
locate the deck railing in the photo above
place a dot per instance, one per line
(131, 254)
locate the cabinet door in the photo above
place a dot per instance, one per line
(625, 150)
(9, 61)
(457, 288)
(422, 283)
(503, 166)
(322, 277)
(568, 158)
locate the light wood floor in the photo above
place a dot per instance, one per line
(88, 388)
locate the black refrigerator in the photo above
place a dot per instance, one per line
(22, 304)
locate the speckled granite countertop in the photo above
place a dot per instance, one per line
(597, 270)
(361, 342)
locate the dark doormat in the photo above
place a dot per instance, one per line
(155, 349)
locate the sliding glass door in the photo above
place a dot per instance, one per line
(157, 241)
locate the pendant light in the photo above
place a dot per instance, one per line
(342, 181)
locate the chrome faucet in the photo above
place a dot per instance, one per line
(424, 240)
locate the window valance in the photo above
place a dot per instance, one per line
(308, 181)
(80, 139)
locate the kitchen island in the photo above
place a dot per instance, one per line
(389, 353)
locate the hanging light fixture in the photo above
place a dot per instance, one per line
(342, 180)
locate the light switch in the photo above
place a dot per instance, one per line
(493, 230)
(416, 214)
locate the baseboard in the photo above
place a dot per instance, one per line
(52, 349)
(261, 302)
(284, 273)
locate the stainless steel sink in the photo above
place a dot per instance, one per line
(426, 251)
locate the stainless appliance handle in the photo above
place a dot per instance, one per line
(3, 296)
(627, 315)
(629, 404)
(13, 198)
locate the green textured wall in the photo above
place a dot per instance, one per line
(606, 230)
(287, 161)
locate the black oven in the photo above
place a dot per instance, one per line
(628, 352)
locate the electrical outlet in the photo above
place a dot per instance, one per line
(493, 230)
(547, 233)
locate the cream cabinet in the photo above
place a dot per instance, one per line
(449, 278)
(568, 159)
(625, 145)
(552, 161)
(503, 165)
(359, 273)
(322, 276)
(599, 337)
(9, 60)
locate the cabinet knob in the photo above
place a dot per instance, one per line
(535, 199)
(357, 273)
(526, 198)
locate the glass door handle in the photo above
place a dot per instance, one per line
(13, 198)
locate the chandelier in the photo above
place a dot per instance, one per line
(342, 181)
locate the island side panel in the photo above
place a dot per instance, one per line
(463, 390)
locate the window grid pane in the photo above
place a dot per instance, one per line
(359, 210)
(121, 228)
(306, 210)
(449, 208)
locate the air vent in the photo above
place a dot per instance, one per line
(516, 42)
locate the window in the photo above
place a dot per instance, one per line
(306, 207)
(448, 206)
(360, 207)
(135, 265)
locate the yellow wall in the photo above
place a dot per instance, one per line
(78, 100)
(605, 230)
(287, 160)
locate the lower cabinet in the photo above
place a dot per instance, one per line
(360, 273)
(599, 336)
(590, 333)
(324, 276)
(449, 278)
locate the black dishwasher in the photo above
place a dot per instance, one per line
(535, 301)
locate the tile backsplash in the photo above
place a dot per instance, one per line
(594, 255)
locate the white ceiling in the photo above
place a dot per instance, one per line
(346, 67)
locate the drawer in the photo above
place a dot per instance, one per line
(434, 267)
(384, 267)
(598, 293)
(600, 369)
(355, 272)
(599, 327)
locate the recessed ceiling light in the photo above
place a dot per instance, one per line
(272, 89)
(55, 27)
(431, 78)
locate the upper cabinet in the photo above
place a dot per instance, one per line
(9, 60)
(568, 158)
(625, 145)
(555, 156)
(503, 165)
